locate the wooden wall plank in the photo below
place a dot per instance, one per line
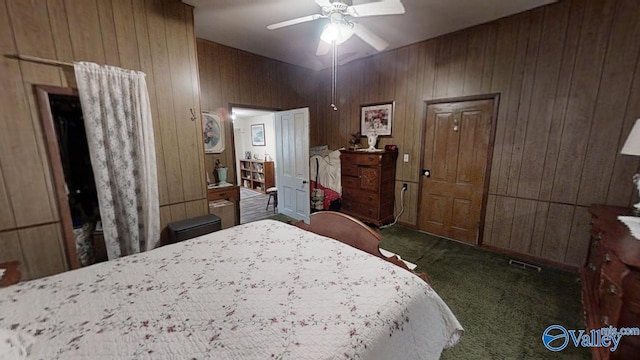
(457, 62)
(511, 106)
(475, 60)
(41, 250)
(10, 247)
(32, 31)
(524, 107)
(543, 98)
(198, 137)
(442, 63)
(108, 32)
(503, 221)
(165, 216)
(557, 231)
(146, 65)
(501, 80)
(576, 17)
(487, 237)
(61, 38)
(613, 95)
(539, 227)
(523, 224)
(186, 128)
(582, 99)
(411, 121)
(84, 28)
(164, 100)
(578, 245)
(622, 191)
(125, 29)
(401, 111)
(7, 220)
(196, 208)
(178, 212)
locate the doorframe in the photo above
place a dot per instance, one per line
(230, 107)
(492, 135)
(55, 166)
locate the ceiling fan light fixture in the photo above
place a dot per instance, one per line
(336, 31)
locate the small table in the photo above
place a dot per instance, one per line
(11, 275)
(229, 192)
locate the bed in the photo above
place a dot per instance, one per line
(260, 290)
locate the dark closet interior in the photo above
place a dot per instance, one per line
(78, 182)
(76, 162)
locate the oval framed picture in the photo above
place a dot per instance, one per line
(213, 133)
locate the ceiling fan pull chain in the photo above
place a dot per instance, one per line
(334, 76)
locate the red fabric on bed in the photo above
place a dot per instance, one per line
(329, 195)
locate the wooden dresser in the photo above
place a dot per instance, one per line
(368, 181)
(611, 280)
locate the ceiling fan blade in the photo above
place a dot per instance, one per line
(323, 48)
(323, 3)
(294, 21)
(369, 37)
(384, 7)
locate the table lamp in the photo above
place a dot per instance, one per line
(632, 147)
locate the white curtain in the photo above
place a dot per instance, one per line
(117, 116)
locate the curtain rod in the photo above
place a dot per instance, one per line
(39, 60)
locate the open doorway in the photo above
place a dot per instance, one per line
(255, 149)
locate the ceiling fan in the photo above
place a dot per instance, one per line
(341, 25)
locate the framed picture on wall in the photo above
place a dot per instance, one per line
(376, 118)
(257, 135)
(213, 133)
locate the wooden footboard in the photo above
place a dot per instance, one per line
(352, 232)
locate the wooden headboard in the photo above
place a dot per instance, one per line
(352, 232)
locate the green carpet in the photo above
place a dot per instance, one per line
(504, 309)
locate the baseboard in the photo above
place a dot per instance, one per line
(407, 225)
(532, 259)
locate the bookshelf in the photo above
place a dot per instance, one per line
(257, 175)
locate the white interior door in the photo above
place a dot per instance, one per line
(292, 159)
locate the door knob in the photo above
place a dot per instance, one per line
(426, 172)
(304, 182)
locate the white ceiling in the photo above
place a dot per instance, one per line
(242, 24)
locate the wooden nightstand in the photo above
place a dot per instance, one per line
(11, 275)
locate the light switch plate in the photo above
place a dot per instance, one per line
(406, 158)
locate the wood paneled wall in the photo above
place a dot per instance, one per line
(569, 79)
(232, 76)
(154, 36)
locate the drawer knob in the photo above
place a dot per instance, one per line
(370, 158)
(370, 198)
(599, 236)
(592, 267)
(612, 289)
(605, 320)
(607, 258)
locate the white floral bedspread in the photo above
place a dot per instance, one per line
(264, 290)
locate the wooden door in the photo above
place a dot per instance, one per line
(456, 150)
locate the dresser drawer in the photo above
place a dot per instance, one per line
(349, 169)
(612, 267)
(354, 207)
(363, 197)
(361, 159)
(610, 301)
(352, 182)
